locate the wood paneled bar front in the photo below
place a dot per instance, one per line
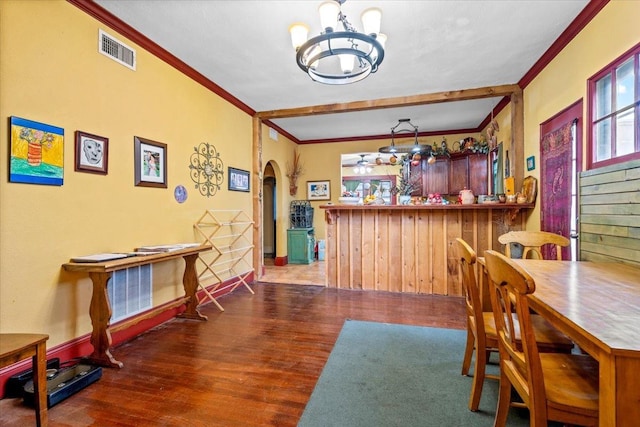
(409, 249)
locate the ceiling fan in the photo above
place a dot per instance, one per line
(362, 166)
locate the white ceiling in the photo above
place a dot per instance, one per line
(244, 47)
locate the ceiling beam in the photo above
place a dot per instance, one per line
(401, 101)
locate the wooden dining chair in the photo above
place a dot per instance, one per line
(481, 329)
(553, 386)
(532, 241)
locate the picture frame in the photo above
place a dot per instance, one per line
(36, 152)
(92, 153)
(150, 163)
(319, 190)
(531, 163)
(238, 180)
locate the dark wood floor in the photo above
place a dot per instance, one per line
(255, 364)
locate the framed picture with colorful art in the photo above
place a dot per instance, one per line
(36, 152)
(318, 190)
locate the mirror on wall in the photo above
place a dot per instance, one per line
(368, 174)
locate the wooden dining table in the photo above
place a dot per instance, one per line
(598, 306)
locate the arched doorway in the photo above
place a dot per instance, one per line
(269, 212)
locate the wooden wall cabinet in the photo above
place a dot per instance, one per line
(435, 177)
(449, 175)
(468, 170)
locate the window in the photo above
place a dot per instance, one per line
(614, 95)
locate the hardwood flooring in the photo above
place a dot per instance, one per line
(255, 364)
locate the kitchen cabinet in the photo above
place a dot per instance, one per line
(468, 170)
(435, 176)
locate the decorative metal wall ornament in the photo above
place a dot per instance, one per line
(207, 169)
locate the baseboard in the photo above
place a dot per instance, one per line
(280, 261)
(81, 346)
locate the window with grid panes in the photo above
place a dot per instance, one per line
(614, 95)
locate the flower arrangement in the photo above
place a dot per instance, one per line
(407, 183)
(294, 170)
(36, 141)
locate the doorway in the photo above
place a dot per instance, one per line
(269, 212)
(560, 164)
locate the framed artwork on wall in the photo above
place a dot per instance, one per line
(319, 190)
(150, 163)
(36, 152)
(531, 163)
(92, 153)
(238, 180)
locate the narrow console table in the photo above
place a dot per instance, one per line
(100, 309)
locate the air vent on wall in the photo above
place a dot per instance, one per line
(116, 50)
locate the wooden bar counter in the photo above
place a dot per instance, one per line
(409, 248)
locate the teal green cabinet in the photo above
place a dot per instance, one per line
(300, 245)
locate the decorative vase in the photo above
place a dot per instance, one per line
(466, 197)
(404, 199)
(34, 154)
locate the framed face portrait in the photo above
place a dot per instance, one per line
(91, 153)
(150, 168)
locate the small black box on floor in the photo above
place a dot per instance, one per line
(15, 383)
(64, 383)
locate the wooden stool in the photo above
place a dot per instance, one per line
(16, 347)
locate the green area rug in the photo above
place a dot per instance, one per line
(381, 374)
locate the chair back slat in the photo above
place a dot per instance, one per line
(533, 241)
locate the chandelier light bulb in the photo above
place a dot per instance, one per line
(382, 39)
(347, 62)
(299, 33)
(371, 19)
(329, 12)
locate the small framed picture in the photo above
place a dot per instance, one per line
(319, 190)
(238, 180)
(92, 153)
(531, 163)
(150, 163)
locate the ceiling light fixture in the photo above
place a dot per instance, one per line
(408, 128)
(339, 56)
(362, 166)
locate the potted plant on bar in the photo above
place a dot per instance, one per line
(406, 184)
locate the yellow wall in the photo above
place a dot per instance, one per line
(51, 72)
(564, 80)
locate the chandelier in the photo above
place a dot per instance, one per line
(405, 126)
(339, 55)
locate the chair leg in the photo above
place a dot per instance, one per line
(478, 380)
(468, 352)
(504, 401)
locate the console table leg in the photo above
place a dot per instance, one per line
(190, 283)
(100, 312)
